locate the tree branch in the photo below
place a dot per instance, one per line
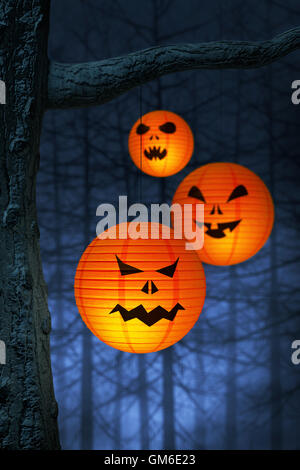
(95, 83)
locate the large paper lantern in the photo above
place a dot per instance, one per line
(161, 143)
(238, 211)
(139, 295)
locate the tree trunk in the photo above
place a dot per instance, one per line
(231, 379)
(231, 389)
(275, 343)
(28, 413)
(58, 280)
(143, 403)
(87, 431)
(118, 403)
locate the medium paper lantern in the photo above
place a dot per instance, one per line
(139, 295)
(238, 211)
(161, 143)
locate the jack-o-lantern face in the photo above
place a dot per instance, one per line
(161, 143)
(139, 295)
(238, 211)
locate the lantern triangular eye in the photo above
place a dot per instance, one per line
(169, 270)
(168, 128)
(196, 193)
(239, 191)
(142, 129)
(126, 269)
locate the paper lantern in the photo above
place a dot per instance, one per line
(238, 211)
(139, 295)
(161, 143)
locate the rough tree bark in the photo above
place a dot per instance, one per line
(28, 409)
(90, 83)
(28, 413)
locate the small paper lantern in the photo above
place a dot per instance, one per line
(161, 143)
(139, 295)
(238, 211)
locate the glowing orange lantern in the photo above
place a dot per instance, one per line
(139, 295)
(238, 211)
(161, 143)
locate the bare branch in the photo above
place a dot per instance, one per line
(95, 83)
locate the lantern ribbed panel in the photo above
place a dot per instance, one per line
(179, 145)
(255, 211)
(99, 287)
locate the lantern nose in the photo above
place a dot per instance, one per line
(214, 210)
(149, 288)
(156, 136)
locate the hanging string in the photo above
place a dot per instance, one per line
(141, 147)
(221, 88)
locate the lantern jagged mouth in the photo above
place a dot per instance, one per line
(149, 318)
(155, 153)
(219, 232)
